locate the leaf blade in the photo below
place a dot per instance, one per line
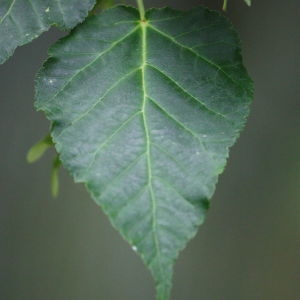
(168, 101)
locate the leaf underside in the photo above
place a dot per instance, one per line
(21, 21)
(143, 112)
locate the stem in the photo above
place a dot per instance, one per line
(141, 8)
(225, 5)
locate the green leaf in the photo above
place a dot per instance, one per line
(144, 113)
(38, 149)
(21, 21)
(248, 2)
(225, 2)
(55, 177)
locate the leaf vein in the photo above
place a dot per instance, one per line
(86, 113)
(175, 120)
(171, 186)
(181, 167)
(148, 150)
(106, 141)
(36, 14)
(197, 29)
(183, 90)
(91, 63)
(8, 11)
(60, 9)
(129, 201)
(208, 61)
(213, 44)
(166, 19)
(111, 88)
(121, 174)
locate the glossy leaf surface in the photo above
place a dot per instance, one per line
(21, 21)
(143, 113)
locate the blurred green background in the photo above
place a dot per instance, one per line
(249, 246)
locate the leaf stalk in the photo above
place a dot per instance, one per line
(141, 8)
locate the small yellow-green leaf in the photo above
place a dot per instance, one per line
(55, 177)
(225, 3)
(38, 149)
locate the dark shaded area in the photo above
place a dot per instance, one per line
(249, 247)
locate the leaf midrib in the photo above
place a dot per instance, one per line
(144, 25)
